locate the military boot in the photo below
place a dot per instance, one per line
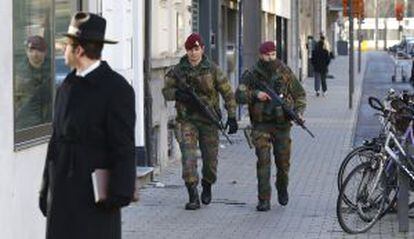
(206, 194)
(263, 205)
(283, 196)
(194, 200)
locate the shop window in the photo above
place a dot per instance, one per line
(38, 65)
(195, 16)
(63, 12)
(32, 62)
(181, 31)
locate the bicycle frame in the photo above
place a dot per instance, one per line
(396, 156)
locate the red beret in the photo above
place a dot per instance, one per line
(267, 47)
(193, 40)
(36, 42)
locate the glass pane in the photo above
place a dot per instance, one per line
(32, 63)
(63, 12)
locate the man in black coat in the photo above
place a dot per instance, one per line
(320, 61)
(93, 128)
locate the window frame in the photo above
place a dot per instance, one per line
(39, 134)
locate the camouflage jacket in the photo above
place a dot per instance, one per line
(283, 81)
(208, 82)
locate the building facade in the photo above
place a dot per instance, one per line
(231, 46)
(151, 35)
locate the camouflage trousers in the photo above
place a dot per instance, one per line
(263, 141)
(188, 134)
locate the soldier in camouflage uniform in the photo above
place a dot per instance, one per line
(271, 128)
(208, 81)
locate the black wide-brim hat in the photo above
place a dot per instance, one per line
(88, 27)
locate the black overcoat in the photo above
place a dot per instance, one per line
(320, 59)
(93, 127)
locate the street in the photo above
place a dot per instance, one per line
(311, 209)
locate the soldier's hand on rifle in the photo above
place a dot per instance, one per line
(182, 96)
(301, 118)
(263, 96)
(232, 124)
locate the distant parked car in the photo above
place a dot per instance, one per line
(402, 45)
(410, 48)
(402, 55)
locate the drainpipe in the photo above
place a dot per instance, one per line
(240, 70)
(147, 84)
(298, 46)
(138, 82)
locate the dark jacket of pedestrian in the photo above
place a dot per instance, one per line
(320, 58)
(93, 128)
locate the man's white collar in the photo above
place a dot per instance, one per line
(88, 70)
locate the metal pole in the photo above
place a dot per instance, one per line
(240, 71)
(359, 44)
(376, 24)
(147, 85)
(403, 200)
(399, 31)
(298, 45)
(385, 33)
(351, 52)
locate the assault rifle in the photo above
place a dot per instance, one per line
(278, 101)
(198, 104)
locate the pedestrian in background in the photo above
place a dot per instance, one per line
(271, 127)
(320, 61)
(326, 45)
(93, 128)
(208, 81)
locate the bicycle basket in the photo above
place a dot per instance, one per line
(400, 119)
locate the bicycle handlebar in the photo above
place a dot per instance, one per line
(375, 103)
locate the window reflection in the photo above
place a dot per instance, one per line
(63, 12)
(32, 85)
(32, 63)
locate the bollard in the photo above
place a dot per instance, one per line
(402, 201)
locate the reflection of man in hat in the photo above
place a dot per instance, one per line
(32, 89)
(93, 128)
(271, 127)
(193, 127)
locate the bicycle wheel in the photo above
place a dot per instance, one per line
(369, 198)
(392, 191)
(360, 156)
(357, 156)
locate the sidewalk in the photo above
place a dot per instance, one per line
(311, 209)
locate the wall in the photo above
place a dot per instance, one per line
(283, 8)
(19, 172)
(294, 58)
(170, 27)
(306, 19)
(127, 56)
(170, 20)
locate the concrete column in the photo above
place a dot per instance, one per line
(294, 38)
(251, 31)
(317, 18)
(138, 59)
(323, 17)
(205, 16)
